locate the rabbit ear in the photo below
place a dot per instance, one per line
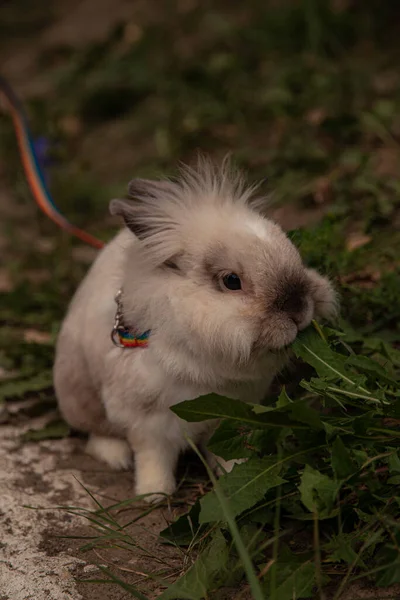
(143, 211)
(123, 208)
(152, 213)
(148, 188)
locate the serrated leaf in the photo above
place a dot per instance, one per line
(394, 409)
(295, 576)
(302, 412)
(252, 536)
(388, 557)
(370, 367)
(332, 366)
(394, 463)
(318, 492)
(340, 548)
(231, 440)
(343, 392)
(341, 462)
(298, 584)
(244, 486)
(213, 406)
(283, 399)
(182, 531)
(315, 351)
(196, 582)
(395, 480)
(367, 518)
(263, 515)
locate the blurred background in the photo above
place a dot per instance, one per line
(304, 94)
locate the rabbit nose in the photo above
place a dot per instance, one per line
(293, 300)
(294, 307)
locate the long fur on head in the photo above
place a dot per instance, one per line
(192, 233)
(157, 211)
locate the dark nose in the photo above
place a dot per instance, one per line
(292, 298)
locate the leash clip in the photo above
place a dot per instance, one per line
(117, 321)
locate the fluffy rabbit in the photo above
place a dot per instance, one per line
(212, 293)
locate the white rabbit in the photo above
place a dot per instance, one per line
(218, 291)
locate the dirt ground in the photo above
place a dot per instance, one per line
(37, 559)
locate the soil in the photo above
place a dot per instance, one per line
(41, 555)
(41, 542)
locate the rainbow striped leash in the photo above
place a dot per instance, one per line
(33, 170)
(122, 336)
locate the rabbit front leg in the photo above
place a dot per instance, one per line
(156, 443)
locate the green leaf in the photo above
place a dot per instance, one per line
(182, 531)
(244, 486)
(369, 367)
(318, 492)
(252, 536)
(196, 582)
(394, 463)
(54, 430)
(231, 440)
(295, 576)
(345, 393)
(332, 366)
(263, 515)
(302, 412)
(17, 388)
(299, 583)
(340, 548)
(213, 406)
(341, 462)
(394, 480)
(315, 351)
(388, 557)
(283, 400)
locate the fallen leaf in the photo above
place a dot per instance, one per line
(339, 6)
(357, 240)
(45, 245)
(132, 33)
(367, 278)
(37, 337)
(84, 254)
(386, 81)
(37, 275)
(387, 161)
(294, 217)
(71, 125)
(4, 374)
(5, 281)
(323, 190)
(186, 6)
(315, 116)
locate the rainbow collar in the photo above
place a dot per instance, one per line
(123, 336)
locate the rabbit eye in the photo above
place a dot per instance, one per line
(232, 282)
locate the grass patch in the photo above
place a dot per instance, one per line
(315, 506)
